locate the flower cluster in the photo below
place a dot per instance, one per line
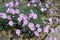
(22, 22)
(10, 15)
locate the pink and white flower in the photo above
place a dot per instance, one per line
(11, 23)
(33, 15)
(38, 25)
(25, 22)
(28, 4)
(25, 17)
(50, 19)
(4, 15)
(17, 3)
(13, 11)
(50, 38)
(17, 11)
(31, 26)
(18, 32)
(36, 33)
(21, 15)
(19, 19)
(10, 10)
(39, 30)
(47, 6)
(42, 9)
(34, 1)
(51, 12)
(11, 4)
(55, 38)
(46, 29)
(9, 17)
(53, 30)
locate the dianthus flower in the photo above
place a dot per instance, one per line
(18, 32)
(38, 25)
(36, 33)
(39, 30)
(11, 23)
(31, 26)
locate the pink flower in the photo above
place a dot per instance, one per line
(4, 15)
(17, 3)
(50, 38)
(51, 12)
(36, 33)
(39, 30)
(42, 9)
(38, 25)
(28, 4)
(10, 10)
(47, 6)
(25, 17)
(9, 17)
(19, 19)
(46, 29)
(53, 30)
(40, 4)
(50, 19)
(21, 15)
(49, 2)
(31, 26)
(11, 4)
(17, 11)
(25, 22)
(33, 15)
(18, 32)
(13, 11)
(11, 23)
(34, 1)
(55, 38)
